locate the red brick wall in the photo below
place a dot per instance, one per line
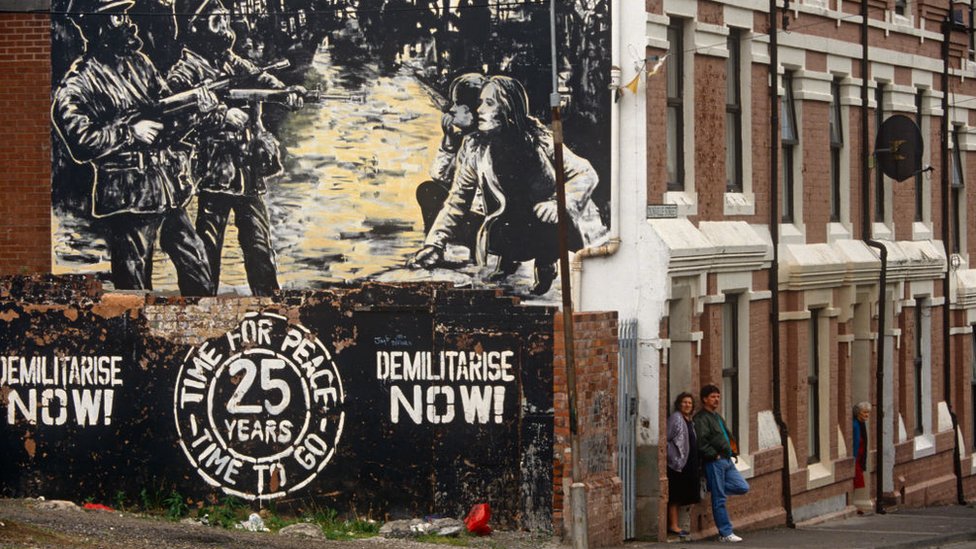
(25, 143)
(596, 388)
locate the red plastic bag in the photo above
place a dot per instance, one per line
(97, 507)
(477, 519)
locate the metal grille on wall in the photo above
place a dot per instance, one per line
(627, 423)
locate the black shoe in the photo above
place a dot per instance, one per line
(544, 276)
(503, 269)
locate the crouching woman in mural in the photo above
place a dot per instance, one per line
(460, 120)
(508, 168)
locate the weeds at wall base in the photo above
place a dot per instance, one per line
(228, 512)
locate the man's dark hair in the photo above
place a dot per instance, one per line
(708, 390)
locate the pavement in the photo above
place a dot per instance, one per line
(951, 526)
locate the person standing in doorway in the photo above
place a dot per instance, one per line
(717, 447)
(862, 411)
(682, 461)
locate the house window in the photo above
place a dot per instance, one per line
(730, 362)
(958, 191)
(733, 115)
(879, 188)
(919, 189)
(813, 389)
(789, 138)
(972, 385)
(901, 7)
(836, 144)
(675, 123)
(922, 367)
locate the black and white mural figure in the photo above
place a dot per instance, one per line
(156, 21)
(103, 111)
(232, 160)
(351, 186)
(505, 171)
(460, 120)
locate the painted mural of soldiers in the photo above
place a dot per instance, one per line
(102, 110)
(232, 160)
(156, 21)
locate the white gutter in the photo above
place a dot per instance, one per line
(613, 242)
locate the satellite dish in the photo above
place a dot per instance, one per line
(898, 148)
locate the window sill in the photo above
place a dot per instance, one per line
(744, 465)
(881, 231)
(687, 202)
(837, 231)
(791, 233)
(924, 446)
(739, 204)
(819, 474)
(921, 231)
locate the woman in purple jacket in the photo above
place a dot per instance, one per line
(682, 461)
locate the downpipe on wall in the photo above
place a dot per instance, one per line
(883, 252)
(581, 531)
(613, 241)
(784, 432)
(947, 27)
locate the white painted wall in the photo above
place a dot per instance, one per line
(633, 280)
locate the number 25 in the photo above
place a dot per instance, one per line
(268, 383)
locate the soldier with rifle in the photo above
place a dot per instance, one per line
(231, 162)
(103, 110)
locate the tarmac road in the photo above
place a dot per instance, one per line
(949, 526)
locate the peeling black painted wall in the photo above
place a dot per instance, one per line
(68, 438)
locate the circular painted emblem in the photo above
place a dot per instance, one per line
(259, 411)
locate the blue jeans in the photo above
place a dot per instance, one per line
(723, 479)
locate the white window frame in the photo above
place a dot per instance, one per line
(922, 392)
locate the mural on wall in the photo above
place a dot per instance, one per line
(387, 400)
(243, 146)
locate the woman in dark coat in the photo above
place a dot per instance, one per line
(682, 461)
(860, 433)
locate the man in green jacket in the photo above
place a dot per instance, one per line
(717, 447)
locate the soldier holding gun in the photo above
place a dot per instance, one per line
(231, 162)
(101, 111)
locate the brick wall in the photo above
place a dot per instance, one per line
(25, 135)
(596, 387)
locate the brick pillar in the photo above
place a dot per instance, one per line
(596, 387)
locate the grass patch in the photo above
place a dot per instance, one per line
(453, 541)
(24, 534)
(226, 513)
(335, 528)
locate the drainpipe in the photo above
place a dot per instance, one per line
(947, 26)
(784, 434)
(883, 278)
(613, 242)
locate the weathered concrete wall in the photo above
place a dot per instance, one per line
(394, 400)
